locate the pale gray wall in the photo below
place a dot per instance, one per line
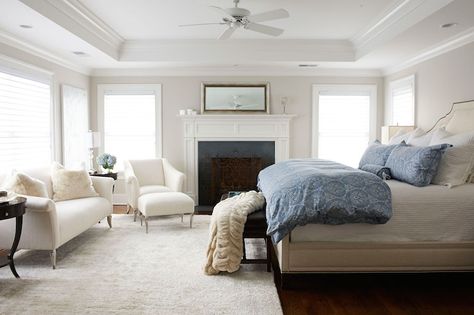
(185, 92)
(439, 82)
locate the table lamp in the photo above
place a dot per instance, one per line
(93, 141)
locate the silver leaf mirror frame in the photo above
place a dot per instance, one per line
(235, 98)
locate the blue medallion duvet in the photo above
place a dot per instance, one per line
(305, 191)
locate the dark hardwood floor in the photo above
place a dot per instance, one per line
(341, 294)
(451, 293)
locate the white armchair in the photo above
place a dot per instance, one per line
(150, 176)
(154, 187)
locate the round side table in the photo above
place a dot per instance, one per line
(9, 210)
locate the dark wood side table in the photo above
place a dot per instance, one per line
(111, 175)
(10, 210)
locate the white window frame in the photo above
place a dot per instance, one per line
(317, 88)
(395, 84)
(102, 89)
(28, 71)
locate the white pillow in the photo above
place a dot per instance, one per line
(70, 184)
(23, 184)
(401, 135)
(420, 139)
(457, 163)
(443, 136)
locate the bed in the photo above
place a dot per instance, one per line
(408, 242)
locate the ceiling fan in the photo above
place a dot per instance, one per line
(242, 18)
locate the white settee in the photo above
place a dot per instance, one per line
(48, 224)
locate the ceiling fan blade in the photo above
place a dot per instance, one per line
(227, 33)
(269, 15)
(199, 24)
(221, 10)
(260, 28)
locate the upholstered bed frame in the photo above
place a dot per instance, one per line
(325, 257)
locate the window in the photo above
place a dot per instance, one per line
(131, 121)
(402, 102)
(25, 121)
(344, 121)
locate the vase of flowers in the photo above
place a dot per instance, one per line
(107, 162)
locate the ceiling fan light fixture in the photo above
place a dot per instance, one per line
(237, 17)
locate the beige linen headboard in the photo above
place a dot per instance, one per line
(459, 119)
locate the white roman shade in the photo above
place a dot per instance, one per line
(129, 120)
(25, 120)
(402, 102)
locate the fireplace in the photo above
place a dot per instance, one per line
(225, 166)
(230, 130)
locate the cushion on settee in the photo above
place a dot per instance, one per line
(70, 184)
(23, 184)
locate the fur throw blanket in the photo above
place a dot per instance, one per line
(225, 249)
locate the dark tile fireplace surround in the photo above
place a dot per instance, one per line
(230, 165)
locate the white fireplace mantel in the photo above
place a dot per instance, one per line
(261, 127)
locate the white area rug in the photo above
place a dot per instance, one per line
(125, 271)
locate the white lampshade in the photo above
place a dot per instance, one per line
(389, 131)
(93, 139)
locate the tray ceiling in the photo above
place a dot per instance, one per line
(370, 36)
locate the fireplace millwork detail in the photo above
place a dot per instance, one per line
(198, 128)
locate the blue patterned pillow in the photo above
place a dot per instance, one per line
(379, 170)
(377, 153)
(415, 165)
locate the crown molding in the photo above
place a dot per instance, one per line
(47, 55)
(256, 71)
(80, 21)
(237, 51)
(454, 42)
(400, 16)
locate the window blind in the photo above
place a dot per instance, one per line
(344, 125)
(403, 102)
(129, 126)
(25, 122)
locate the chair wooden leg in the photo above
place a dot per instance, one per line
(191, 220)
(109, 221)
(146, 225)
(128, 209)
(243, 249)
(268, 241)
(53, 258)
(135, 213)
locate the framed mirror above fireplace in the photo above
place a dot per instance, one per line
(235, 98)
